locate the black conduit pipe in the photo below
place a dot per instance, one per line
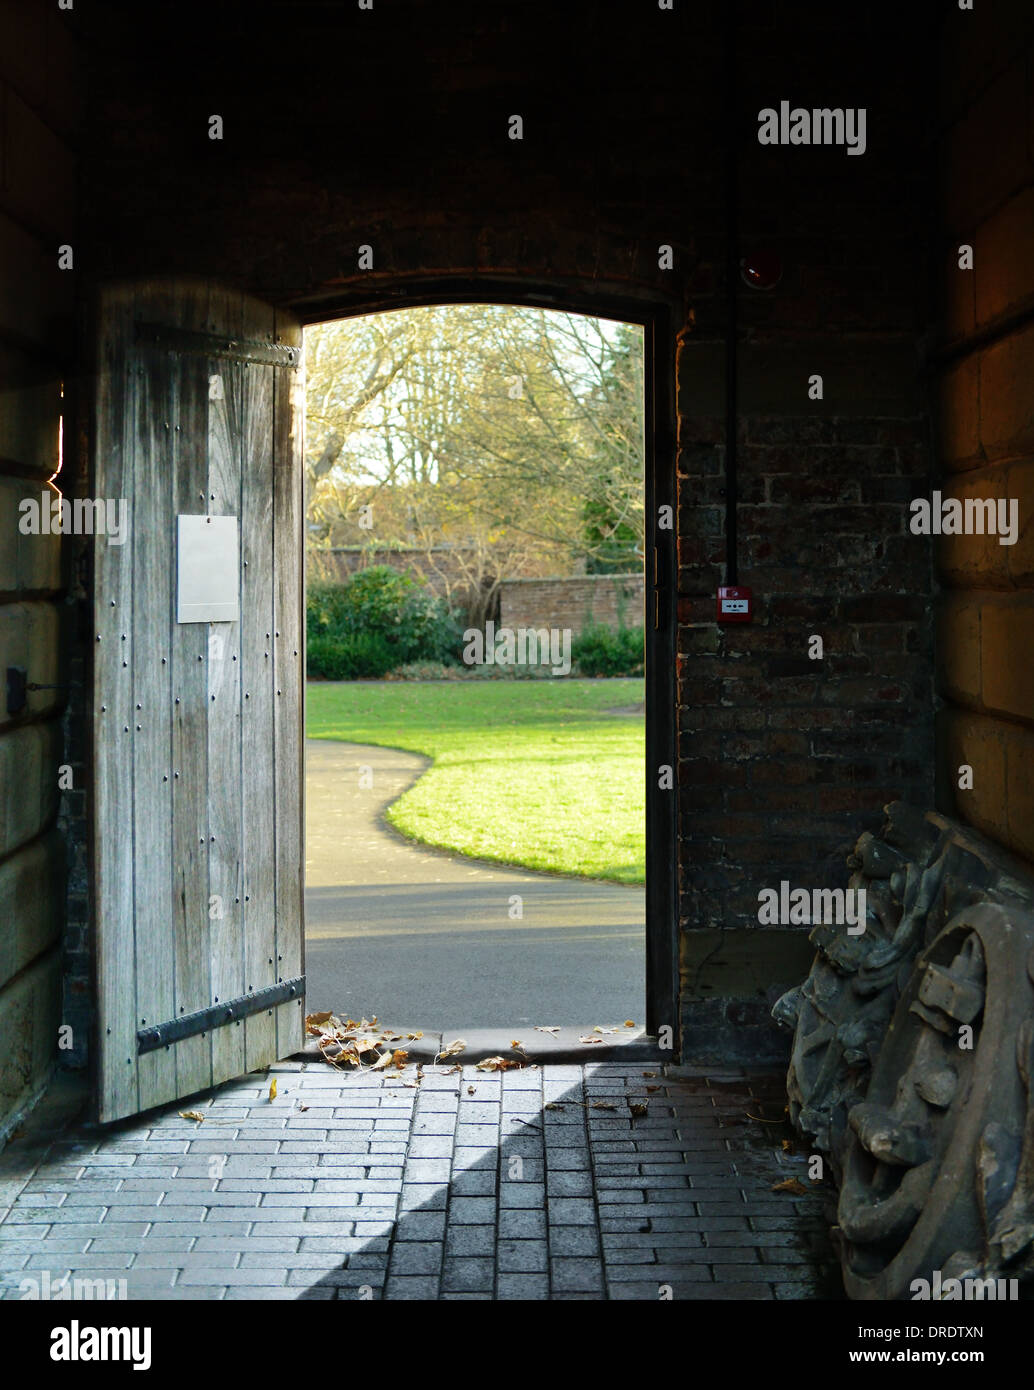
(732, 276)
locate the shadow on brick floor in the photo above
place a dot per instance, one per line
(609, 1182)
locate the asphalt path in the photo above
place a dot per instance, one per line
(424, 939)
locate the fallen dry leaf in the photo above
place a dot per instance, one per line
(546, 1030)
(452, 1050)
(793, 1185)
(603, 1105)
(192, 1115)
(590, 1040)
(629, 1023)
(787, 1145)
(598, 1029)
(303, 1107)
(496, 1064)
(649, 1073)
(638, 1107)
(471, 1091)
(650, 1089)
(552, 1105)
(272, 1089)
(413, 1036)
(400, 1057)
(384, 1060)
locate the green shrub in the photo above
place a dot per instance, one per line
(355, 656)
(389, 611)
(601, 651)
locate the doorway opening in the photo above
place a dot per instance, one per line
(484, 650)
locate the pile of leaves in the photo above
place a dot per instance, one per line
(360, 1045)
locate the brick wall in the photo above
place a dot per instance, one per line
(39, 118)
(984, 371)
(445, 574)
(607, 599)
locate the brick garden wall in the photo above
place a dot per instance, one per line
(984, 372)
(607, 599)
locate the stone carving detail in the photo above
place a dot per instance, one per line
(931, 1143)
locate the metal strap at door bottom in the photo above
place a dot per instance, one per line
(218, 1015)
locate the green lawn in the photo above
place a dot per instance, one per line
(534, 773)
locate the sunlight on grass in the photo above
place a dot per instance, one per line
(534, 773)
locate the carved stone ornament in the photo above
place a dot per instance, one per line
(912, 1060)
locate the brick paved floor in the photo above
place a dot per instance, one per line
(534, 1184)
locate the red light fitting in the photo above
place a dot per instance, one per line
(761, 269)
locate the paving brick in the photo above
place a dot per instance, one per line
(300, 1259)
(416, 1257)
(343, 1245)
(572, 1211)
(522, 1256)
(249, 1293)
(420, 1225)
(430, 1146)
(470, 1240)
(575, 1274)
(353, 1280)
(523, 1224)
(228, 1275)
(474, 1211)
(468, 1272)
(653, 1240)
(573, 1240)
(521, 1194)
(663, 1273)
(410, 1287)
(195, 1259)
(427, 1170)
(569, 1184)
(473, 1183)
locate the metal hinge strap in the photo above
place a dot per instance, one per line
(218, 1015)
(188, 340)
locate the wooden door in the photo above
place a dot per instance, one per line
(197, 788)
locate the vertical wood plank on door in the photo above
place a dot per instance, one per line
(288, 696)
(257, 675)
(225, 887)
(153, 544)
(112, 848)
(188, 659)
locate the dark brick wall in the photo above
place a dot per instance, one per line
(40, 117)
(389, 128)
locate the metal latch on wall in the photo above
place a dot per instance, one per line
(19, 686)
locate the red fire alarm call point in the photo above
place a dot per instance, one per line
(733, 604)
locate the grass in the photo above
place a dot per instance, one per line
(533, 773)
